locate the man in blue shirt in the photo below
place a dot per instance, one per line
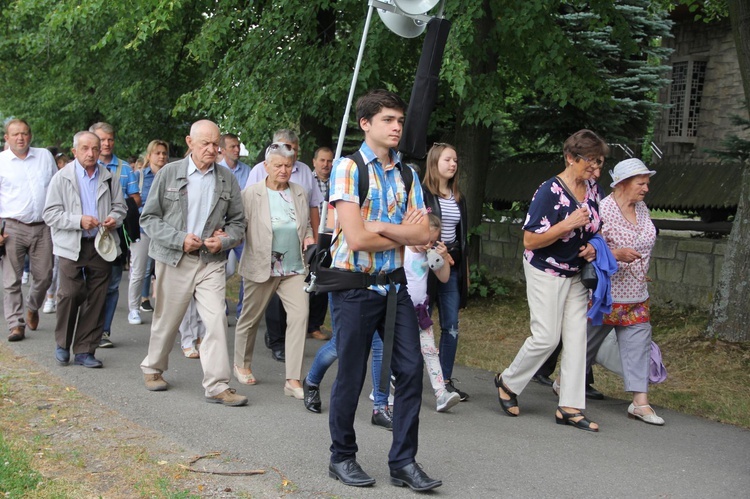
(129, 183)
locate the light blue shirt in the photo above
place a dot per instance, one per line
(200, 195)
(240, 172)
(128, 178)
(87, 186)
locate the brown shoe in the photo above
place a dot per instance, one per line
(228, 397)
(155, 382)
(319, 335)
(16, 334)
(32, 319)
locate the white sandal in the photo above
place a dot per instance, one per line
(651, 418)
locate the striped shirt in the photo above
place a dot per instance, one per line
(450, 218)
(386, 201)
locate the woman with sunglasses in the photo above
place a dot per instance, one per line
(562, 218)
(443, 198)
(277, 234)
(630, 234)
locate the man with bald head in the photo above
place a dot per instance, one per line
(83, 198)
(193, 215)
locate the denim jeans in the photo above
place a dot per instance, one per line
(327, 355)
(113, 294)
(146, 292)
(448, 300)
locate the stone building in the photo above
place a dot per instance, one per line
(705, 90)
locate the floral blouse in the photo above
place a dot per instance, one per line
(549, 206)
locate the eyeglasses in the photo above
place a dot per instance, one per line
(592, 161)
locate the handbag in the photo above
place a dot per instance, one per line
(589, 279)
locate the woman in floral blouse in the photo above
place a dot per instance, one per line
(631, 235)
(562, 218)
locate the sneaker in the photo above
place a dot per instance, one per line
(382, 418)
(390, 397)
(24, 277)
(134, 317)
(146, 306)
(449, 386)
(105, 342)
(447, 400)
(49, 307)
(228, 397)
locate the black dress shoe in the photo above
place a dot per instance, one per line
(267, 339)
(593, 394)
(542, 379)
(349, 472)
(413, 476)
(278, 355)
(312, 397)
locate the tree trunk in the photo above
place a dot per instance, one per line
(473, 146)
(730, 314)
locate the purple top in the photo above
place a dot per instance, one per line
(551, 205)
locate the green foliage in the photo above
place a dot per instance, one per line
(17, 477)
(483, 283)
(735, 148)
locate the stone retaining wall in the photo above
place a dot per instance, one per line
(684, 270)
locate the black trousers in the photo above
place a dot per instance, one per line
(357, 315)
(276, 318)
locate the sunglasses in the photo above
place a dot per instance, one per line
(279, 145)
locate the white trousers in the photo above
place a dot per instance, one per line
(138, 269)
(558, 310)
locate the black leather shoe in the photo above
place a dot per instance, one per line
(382, 418)
(593, 394)
(542, 379)
(267, 339)
(278, 355)
(62, 356)
(87, 360)
(413, 476)
(349, 472)
(312, 397)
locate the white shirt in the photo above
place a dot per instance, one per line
(200, 197)
(301, 174)
(23, 184)
(416, 270)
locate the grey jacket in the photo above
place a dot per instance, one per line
(164, 216)
(63, 209)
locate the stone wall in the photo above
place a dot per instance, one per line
(684, 270)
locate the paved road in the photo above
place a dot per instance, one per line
(476, 450)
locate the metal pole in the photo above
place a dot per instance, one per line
(345, 120)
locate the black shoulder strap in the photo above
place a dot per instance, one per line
(364, 177)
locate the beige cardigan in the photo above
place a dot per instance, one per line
(255, 263)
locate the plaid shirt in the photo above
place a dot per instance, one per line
(323, 185)
(386, 201)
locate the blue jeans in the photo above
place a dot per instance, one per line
(146, 292)
(327, 355)
(238, 253)
(113, 294)
(448, 300)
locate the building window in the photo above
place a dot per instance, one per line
(686, 91)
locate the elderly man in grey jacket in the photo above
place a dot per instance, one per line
(193, 215)
(82, 199)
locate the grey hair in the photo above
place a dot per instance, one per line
(279, 149)
(81, 134)
(286, 135)
(104, 127)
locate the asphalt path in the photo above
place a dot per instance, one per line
(475, 449)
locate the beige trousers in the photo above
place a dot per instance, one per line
(558, 309)
(174, 288)
(295, 300)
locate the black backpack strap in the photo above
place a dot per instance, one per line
(364, 177)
